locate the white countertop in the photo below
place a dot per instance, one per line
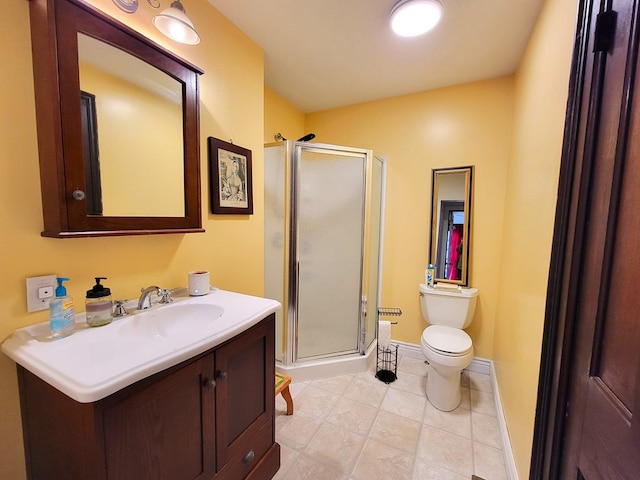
(95, 362)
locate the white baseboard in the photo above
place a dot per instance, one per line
(509, 461)
(484, 366)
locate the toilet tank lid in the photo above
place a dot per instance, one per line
(463, 292)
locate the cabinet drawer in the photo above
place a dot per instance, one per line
(241, 464)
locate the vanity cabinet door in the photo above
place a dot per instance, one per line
(165, 430)
(245, 368)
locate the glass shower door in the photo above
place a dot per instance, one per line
(329, 210)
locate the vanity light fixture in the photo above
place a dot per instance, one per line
(410, 18)
(174, 23)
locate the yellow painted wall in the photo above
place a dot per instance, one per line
(532, 181)
(462, 125)
(231, 108)
(281, 117)
(129, 151)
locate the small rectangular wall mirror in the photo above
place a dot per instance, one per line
(451, 213)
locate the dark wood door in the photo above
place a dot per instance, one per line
(164, 431)
(245, 368)
(588, 424)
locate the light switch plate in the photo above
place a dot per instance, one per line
(34, 286)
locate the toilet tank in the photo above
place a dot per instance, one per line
(451, 309)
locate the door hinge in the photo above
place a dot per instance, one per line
(605, 31)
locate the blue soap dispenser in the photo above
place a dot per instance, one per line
(61, 312)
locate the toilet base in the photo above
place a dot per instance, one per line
(443, 391)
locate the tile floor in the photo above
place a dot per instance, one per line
(355, 427)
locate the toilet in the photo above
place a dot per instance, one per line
(444, 343)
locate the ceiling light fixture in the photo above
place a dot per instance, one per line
(410, 18)
(174, 23)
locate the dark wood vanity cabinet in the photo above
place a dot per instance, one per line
(211, 417)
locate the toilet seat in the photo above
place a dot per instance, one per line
(447, 341)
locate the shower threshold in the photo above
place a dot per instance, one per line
(329, 367)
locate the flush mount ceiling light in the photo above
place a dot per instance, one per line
(410, 18)
(174, 23)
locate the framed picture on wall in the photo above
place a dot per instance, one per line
(230, 180)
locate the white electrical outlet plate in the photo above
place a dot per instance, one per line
(38, 287)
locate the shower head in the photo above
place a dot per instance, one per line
(279, 138)
(307, 137)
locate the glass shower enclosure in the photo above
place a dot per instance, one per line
(323, 217)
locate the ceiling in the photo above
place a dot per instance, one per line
(321, 54)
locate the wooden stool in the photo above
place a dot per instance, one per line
(282, 386)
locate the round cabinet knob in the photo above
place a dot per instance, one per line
(222, 375)
(78, 195)
(248, 457)
(209, 384)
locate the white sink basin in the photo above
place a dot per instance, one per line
(96, 362)
(176, 319)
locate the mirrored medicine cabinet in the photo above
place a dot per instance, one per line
(451, 195)
(118, 127)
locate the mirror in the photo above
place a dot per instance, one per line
(130, 105)
(117, 127)
(451, 223)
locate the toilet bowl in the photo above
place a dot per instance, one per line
(447, 348)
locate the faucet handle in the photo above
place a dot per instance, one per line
(165, 295)
(119, 310)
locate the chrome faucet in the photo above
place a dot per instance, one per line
(144, 301)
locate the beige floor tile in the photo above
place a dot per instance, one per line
(335, 447)
(482, 402)
(306, 468)
(352, 415)
(288, 456)
(315, 402)
(480, 381)
(355, 427)
(296, 431)
(396, 431)
(404, 404)
(457, 421)
(366, 390)
(464, 379)
(416, 366)
(465, 401)
(489, 462)
(379, 461)
(446, 450)
(428, 471)
(486, 429)
(411, 383)
(336, 384)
